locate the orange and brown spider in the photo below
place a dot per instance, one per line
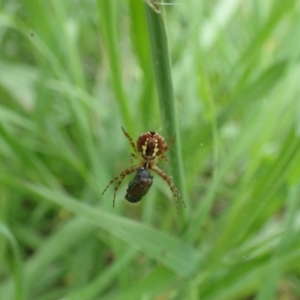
(150, 148)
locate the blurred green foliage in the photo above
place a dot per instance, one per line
(72, 73)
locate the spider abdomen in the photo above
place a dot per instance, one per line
(150, 145)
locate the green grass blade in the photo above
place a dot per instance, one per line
(164, 84)
(177, 255)
(17, 264)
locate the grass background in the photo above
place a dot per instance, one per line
(72, 73)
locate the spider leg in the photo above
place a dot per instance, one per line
(132, 157)
(120, 177)
(130, 140)
(164, 157)
(166, 148)
(171, 184)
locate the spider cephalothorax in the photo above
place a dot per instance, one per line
(150, 145)
(149, 149)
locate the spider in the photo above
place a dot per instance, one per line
(139, 186)
(150, 148)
